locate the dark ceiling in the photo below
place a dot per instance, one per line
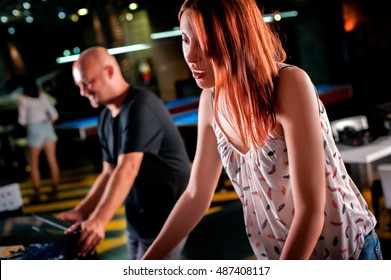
(45, 12)
(47, 22)
(47, 36)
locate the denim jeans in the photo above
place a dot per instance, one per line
(371, 249)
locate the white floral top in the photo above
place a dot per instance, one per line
(261, 180)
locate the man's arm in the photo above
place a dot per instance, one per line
(117, 188)
(88, 204)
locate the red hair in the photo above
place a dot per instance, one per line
(245, 53)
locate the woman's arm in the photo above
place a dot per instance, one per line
(50, 108)
(22, 115)
(298, 114)
(196, 199)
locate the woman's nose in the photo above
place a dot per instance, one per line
(192, 65)
(192, 55)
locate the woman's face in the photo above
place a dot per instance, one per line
(199, 64)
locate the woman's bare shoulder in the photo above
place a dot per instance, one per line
(293, 79)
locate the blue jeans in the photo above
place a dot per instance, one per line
(371, 249)
(138, 246)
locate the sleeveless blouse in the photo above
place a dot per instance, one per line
(261, 179)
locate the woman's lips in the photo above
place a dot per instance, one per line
(197, 74)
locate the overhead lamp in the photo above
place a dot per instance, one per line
(133, 6)
(82, 12)
(26, 5)
(130, 48)
(29, 19)
(74, 18)
(165, 34)
(113, 51)
(11, 30)
(280, 15)
(16, 12)
(61, 15)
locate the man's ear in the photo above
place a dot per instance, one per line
(109, 70)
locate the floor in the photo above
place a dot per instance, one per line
(220, 234)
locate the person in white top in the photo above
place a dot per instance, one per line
(263, 122)
(37, 114)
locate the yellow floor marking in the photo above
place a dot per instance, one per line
(50, 207)
(111, 243)
(115, 225)
(224, 196)
(212, 210)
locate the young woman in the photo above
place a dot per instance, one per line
(37, 115)
(263, 122)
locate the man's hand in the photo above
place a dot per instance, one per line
(92, 232)
(72, 216)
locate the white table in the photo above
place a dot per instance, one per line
(363, 160)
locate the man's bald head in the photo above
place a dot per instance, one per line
(98, 55)
(99, 58)
(99, 77)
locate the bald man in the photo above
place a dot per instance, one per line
(145, 164)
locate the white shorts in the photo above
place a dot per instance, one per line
(39, 134)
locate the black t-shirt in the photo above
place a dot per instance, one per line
(145, 125)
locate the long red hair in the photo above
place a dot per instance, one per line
(245, 53)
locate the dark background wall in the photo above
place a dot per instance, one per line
(315, 40)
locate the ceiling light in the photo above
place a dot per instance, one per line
(16, 12)
(133, 6)
(11, 30)
(165, 34)
(82, 12)
(113, 51)
(26, 5)
(61, 15)
(277, 17)
(129, 16)
(74, 18)
(130, 48)
(29, 19)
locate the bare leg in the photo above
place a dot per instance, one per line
(50, 152)
(35, 174)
